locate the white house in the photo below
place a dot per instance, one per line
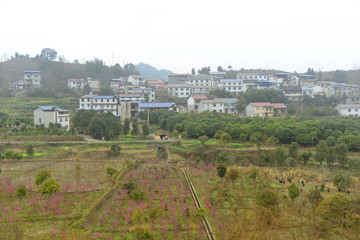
(200, 81)
(32, 78)
(179, 90)
(76, 83)
(51, 114)
(137, 80)
(147, 93)
(103, 104)
(217, 75)
(118, 85)
(93, 83)
(85, 102)
(218, 105)
(193, 101)
(348, 109)
(232, 85)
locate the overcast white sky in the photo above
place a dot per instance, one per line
(178, 35)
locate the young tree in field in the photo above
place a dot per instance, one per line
(203, 139)
(135, 127)
(330, 157)
(294, 191)
(77, 173)
(49, 186)
(126, 126)
(115, 149)
(145, 130)
(30, 150)
(21, 191)
(341, 151)
(315, 198)
(306, 157)
(41, 176)
(321, 151)
(293, 150)
(268, 202)
(233, 174)
(111, 171)
(279, 157)
(221, 169)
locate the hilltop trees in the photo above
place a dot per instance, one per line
(48, 54)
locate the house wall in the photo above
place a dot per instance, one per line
(44, 117)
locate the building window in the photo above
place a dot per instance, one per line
(60, 119)
(108, 100)
(349, 110)
(82, 105)
(66, 119)
(356, 109)
(214, 104)
(82, 99)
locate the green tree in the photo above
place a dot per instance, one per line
(126, 126)
(220, 69)
(306, 157)
(49, 186)
(48, 54)
(225, 137)
(106, 91)
(293, 150)
(41, 176)
(294, 191)
(330, 157)
(21, 191)
(135, 127)
(145, 130)
(233, 174)
(315, 198)
(111, 171)
(221, 93)
(267, 198)
(30, 150)
(341, 151)
(81, 119)
(115, 149)
(221, 169)
(104, 125)
(203, 139)
(279, 157)
(343, 180)
(129, 186)
(193, 71)
(321, 151)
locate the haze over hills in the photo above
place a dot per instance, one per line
(151, 72)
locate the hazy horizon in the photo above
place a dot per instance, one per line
(281, 35)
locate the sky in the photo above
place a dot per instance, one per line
(289, 35)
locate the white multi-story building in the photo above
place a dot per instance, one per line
(76, 83)
(339, 90)
(218, 75)
(232, 85)
(348, 109)
(218, 105)
(251, 77)
(128, 105)
(85, 102)
(193, 101)
(201, 81)
(118, 85)
(137, 80)
(147, 93)
(32, 78)
(51, 114)
(103, 104)
(93, 83)
(179, 90)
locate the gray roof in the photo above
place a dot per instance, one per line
(292, 88)
(348, 106)
(227, 100)
(179, 86)
(201, 77)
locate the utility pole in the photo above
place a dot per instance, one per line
(148, 122)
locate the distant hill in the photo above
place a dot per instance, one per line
(151, 72)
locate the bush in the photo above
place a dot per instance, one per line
(267, 198)
(138, 196)
(294, 191)
(115, 149)
(111, 171)
(343, 180)
(42, 176)
(30, 150)
(233, 174)
(221, 169)
(272, 141)
(129, 186)
(203, 139)
(49, 186)
(354, 164)
(242, 137)
(253, 174)
(143, 234)
(21, 191)
(225, 137)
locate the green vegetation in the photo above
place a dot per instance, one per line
(49, 186)
(41, 176)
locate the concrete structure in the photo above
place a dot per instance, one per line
(232, 85)
(265, 84)
(76, 83)
(200, 81)
(147, 93)
(293, 93)
(137, 80)
(307, 90)
(202, 90)
(179, 90)
(279, 109)
(32, 79)
(128, 105)
(85, 102)
(156, 83)
(353, 98)
(51, 114)
(217, 75)
(218, 105)
(259, 109)
(348, 109)
(103, 104)
(118, 85)
(158, 106)
(178, 78)
(306, 80)
(93, 83)
(251, 77)
(193, 102)
(340, 90)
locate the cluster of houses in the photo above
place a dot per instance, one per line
(135, 93)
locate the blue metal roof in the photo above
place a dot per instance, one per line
(156, 105)
(306, 88)
(103, 97)
(306, 75)
(52, 108)
(282, 74)
(32, 72)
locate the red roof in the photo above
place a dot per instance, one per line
(199, 97)
(261, 104)
(74, 80)
(156, 82)
(279, 105)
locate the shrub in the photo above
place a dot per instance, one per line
(129, 186)
(30, 150)
(271, 141)
(242, 137)
(218, 134)
(21, 191)
(49, 186)
(115, 149)
(221, 169)
(42, 176)
(267, 198)
(111, 171)
(233, 174)
(203, 139)
(225, 137)
(138, 196)
(343, 180)
(354, 164)
(143, 234)
(253, 174)
(294, 191)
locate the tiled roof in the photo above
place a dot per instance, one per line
(52, 108)
(279, 105)
(104, 97)
(199, 97)
(261, 104)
